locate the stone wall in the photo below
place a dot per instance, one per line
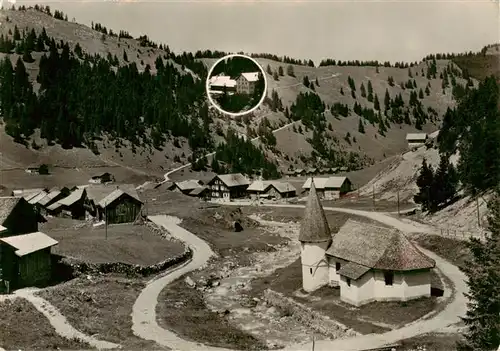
(307, 316)
(69, 267)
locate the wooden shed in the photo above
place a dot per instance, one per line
(72, 206)
(18, 216)
(25, 260)
(119, 207)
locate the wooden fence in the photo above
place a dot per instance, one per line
(462, 234)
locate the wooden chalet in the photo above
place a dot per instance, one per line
(228, 186)
(17, 216)
(72, 206)
(27, 193)
(329, 188)
(300, 172)
(121, 202)
(25, 260)
(201, 192)
(271, 189)
(186, 186)
(119, 207)
(311, 171)
(102, 179)
(52, 196)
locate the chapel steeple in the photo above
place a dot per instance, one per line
(314, 228)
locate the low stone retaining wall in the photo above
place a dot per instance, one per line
(313, 319)
(71, 267)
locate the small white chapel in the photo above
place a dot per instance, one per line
(368, 262)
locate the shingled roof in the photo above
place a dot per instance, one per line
(314, 228)
(7, 205)
(376, 247)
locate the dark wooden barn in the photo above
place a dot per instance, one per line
(72, 206)
(17, 216)
(25, 260)
(119, 207)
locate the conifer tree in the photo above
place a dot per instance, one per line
(362, 90)
(424, 182)
(361, 127)
(483, 273)
(376, 103)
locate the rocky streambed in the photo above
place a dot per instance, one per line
(227, 292)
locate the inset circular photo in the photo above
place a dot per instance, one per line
(236, 85)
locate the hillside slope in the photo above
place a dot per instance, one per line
(292, 144)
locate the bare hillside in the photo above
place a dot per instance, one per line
(331, 80)
(291, 140)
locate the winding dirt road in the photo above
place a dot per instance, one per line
(144, 310)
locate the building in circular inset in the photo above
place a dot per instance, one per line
(236, 85)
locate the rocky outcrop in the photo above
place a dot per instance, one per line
(307, 316)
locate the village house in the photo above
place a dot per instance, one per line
(25, 260)
(228, 186)
(27, 193)
(330, 188)
(416, 139)
(300, 172)
(312, 171)
(246, 82)
(71, 206)
(271, 189)
(32, 170)
(102, 179)
(221, 82)
(289, 174)
(52, 196)
(164, 186)
(186, 186)
(17, 216)
(120, 206)
(368, 263)
(202, 192)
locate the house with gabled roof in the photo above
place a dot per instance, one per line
(186, 186)
(367, 262)
(416, 139)
(330, 188)
(52, 196)
(121, 202)
(72, 206)
(201, 192)
(27, 193)
(228, 186)
(25, 261)
(17, 216)
(271, 189)
(120, 206)
(246, 82)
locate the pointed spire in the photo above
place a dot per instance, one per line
(314, 228)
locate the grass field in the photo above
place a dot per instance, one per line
(182, 310)
(60, 177)
(127, 243)
(22, 327)
(101, 306)
(431, 342)
(454, 251)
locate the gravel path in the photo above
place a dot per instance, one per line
(144, 310)
(59, 322)
(144, 323)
